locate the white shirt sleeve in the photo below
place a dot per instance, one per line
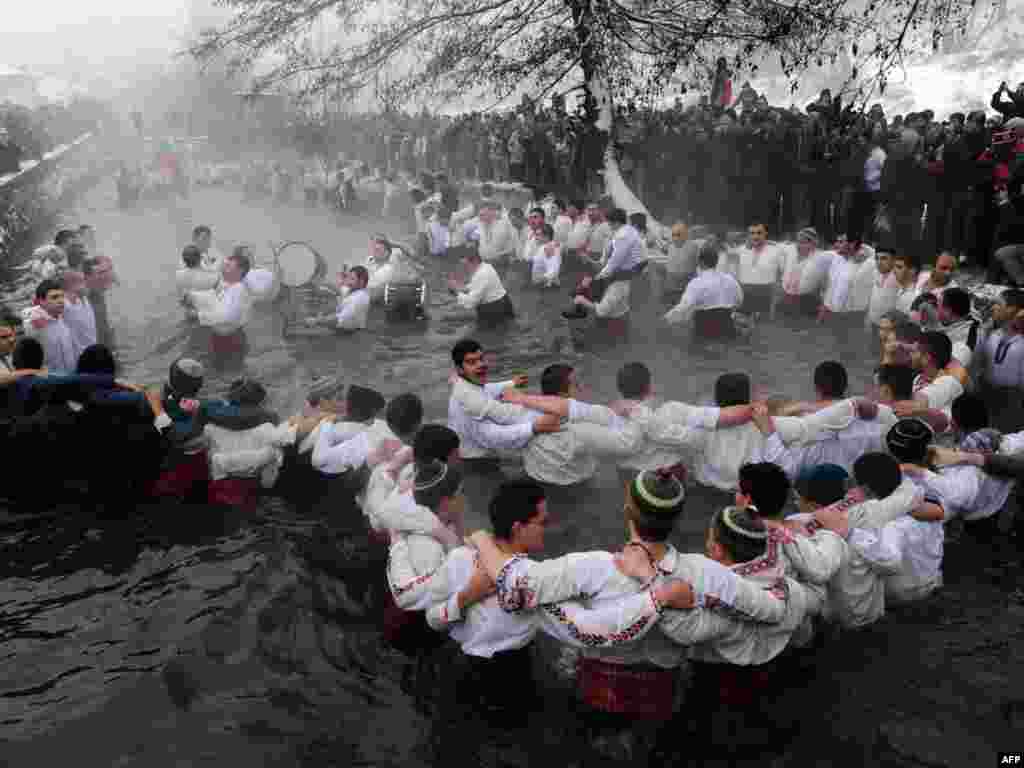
(942, 392)
(335, 459)
(475, 291)
(882, 548)
(352, 311)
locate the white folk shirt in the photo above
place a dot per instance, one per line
(212, 261)
(497, 240)
(381, 273)
(857, 592)
(725, 450)
(543, 586)
(195, 279)
(810, 556)
(941, 392)
(763, 267)
(81, 321)
(958, 333)
(597, 241)
(839, 286)
(709, 290)
(486, 425)
(922, 285)
(546, 268)
(257, 452)
(671, 433)
(956, 491)
(60, 353)
(908, 555)
(529, 247)
(224, 310)
(487, 628)
(570, 456)
(884, 296)
(904, 297)
(562, 226)
(387, 508)
(682, 258)
(484, 287)
(342, 446)
(353, 310)
(863, 284)
(579, 234)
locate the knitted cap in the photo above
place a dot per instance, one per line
(908, 439)
(809, 234)
(186, 377)
(326, 388)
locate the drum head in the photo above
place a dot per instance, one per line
(300, 264)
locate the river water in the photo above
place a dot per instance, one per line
(181, 637)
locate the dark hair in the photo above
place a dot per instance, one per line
(957, 300)
(404, 414)
(767, 485)
(434, 441)
(639, 220)
(578, 204)
(732, 389)
(9, 319)
(463, 348)
(442, 481)
(878, 472)
(708, 255)
(559, 203)
(634, 380)
(64, 236)
(486, 189)
(924, 298)
(1013, 297)
(655, 523)
(830, 379)
(616, 216)
(970, 413)
(97, 359)
(514, 502)
(362, 274)
(539, 211)
(899, 378)
(515, 211)
(742, 546)
(47, 285)
(908, 332)
(201, 230)
(28, 354)
(939, 346)
(548, 231)
(240, 255)
(555, 379)
(190, 255)
(885, 248)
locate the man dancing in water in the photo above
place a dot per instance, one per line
(225, 310)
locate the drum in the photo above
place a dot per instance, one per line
(300, 265)
(406, 300)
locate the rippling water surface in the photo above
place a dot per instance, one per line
(192, 636)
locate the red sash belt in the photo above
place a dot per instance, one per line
(641, 691)
(235, 492)
(178, 480)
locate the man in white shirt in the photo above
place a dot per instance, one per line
(940, 379)
(225, 310)
(381, 267)
(578, 234)
(547, 259)
(78, 311)
(836, 311)
(484, 293)
(496, 240)
(940, 277)
(46, 323)
(626, 256)
(595, 247)
(757, 267)
(211, 259)
(883, 288)
(563, 223)
(957, 323)
(531, 242)
(803, 275)
(711, 290)
(193, 277)
(906, 286)
(353, 303)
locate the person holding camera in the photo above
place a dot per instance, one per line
(1012, 108)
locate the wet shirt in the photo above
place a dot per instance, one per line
(1002, 359)
(710, 289)
(484, 288)
(907, 553)
(486, 425)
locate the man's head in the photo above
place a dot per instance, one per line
(237, 265)
(435, 442)
(732, 389)
(28, 355)
(1011, 301)
(969, 413)
(359, 278)
(895, 383)
(88, 236)
(707, 256)
(945, 266)
(471, 260)
(97, 359)
(545, 234)
(954, 305)
(191, 256)
(758, 234)
(903, 268)
(185, 377)
(363, 404)
(595, 213)
(404, 416)
(516, 217)
(64, 238)
(878, 473)
(933, 352)
(680, 233)
(8, 332)
(558, 379)
(883, 258)
(50, 296)
(807, 241)
(820, 486)
(468, 357)
(380, 248)
(576, 208)
(438, 487)
(888, 323)
(830, 380)
(908, 441)
(634, 381)
(201, 237)
(518, 513)
(764, 486)
(617, 218)
(654, 502)
(536, 219)
(489, 212)
(735, 536)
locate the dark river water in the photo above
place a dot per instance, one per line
(187, 637)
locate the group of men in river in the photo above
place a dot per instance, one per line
(840, 507)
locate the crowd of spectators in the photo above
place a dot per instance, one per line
(926, 183)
